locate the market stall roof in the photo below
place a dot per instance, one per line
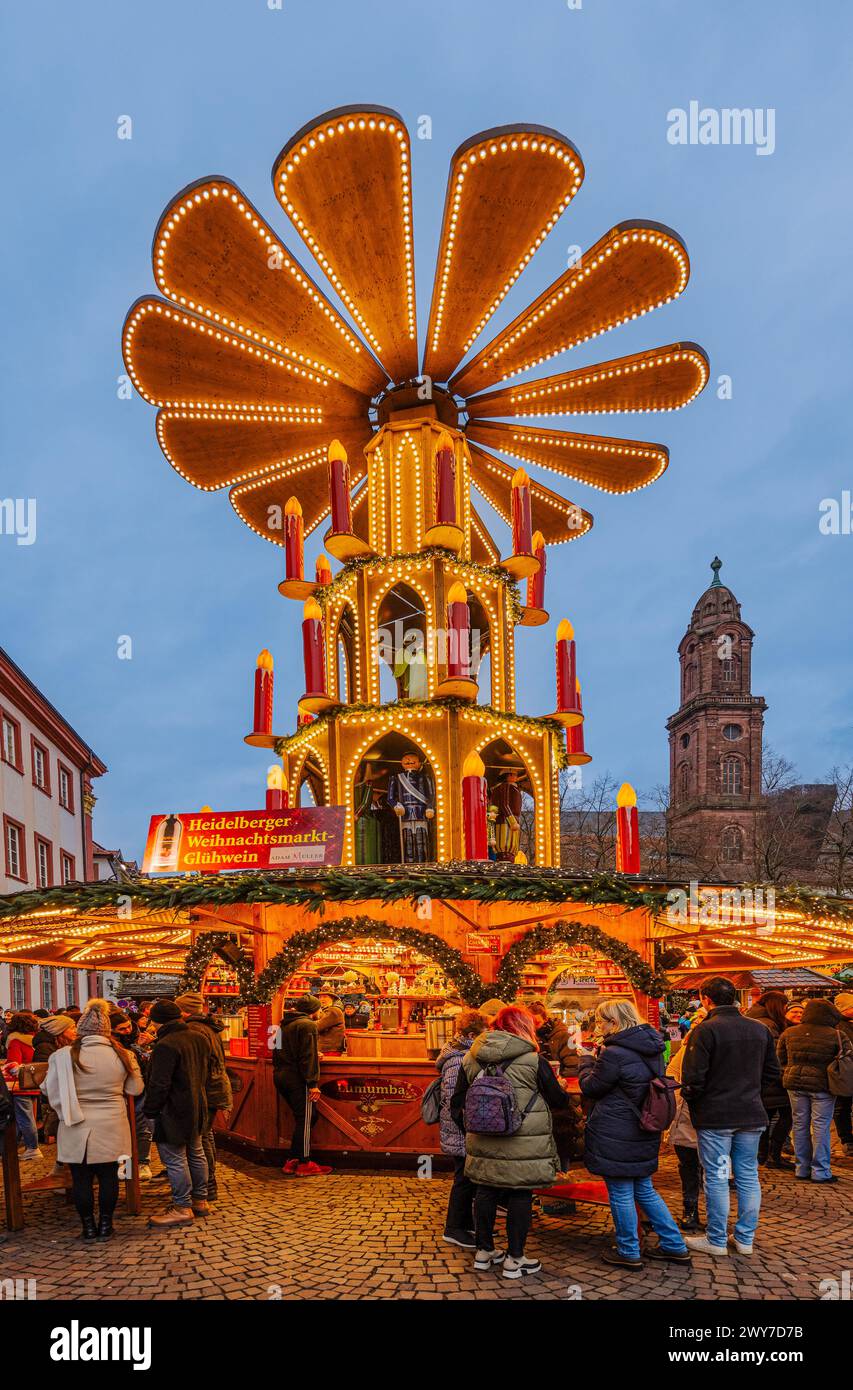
(148, 924)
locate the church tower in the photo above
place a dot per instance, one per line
(715, 742)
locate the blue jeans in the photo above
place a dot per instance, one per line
(813, 1111)
(626, 1194)
(720, 1150)
(26, 1121)
(186, 1169)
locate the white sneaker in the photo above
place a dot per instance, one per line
(741, 1248)
(484, 1259)
(516, 1269)
(704, 1246)
(29, 1154)
(145, 1171)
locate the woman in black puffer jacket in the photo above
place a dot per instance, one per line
(805, 1052)
(617, 1148)
(769, 1009)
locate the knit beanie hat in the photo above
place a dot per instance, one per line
(57, 1025)
(492, 1007)
(307, 1004)
(190, 1003)
(94, 1022)
(164, 1011)
(843, 1001)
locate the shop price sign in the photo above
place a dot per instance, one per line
(211, 841)
(481, 943)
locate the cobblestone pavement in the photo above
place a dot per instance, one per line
(376, 1235)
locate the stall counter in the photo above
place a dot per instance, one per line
(369, 1108)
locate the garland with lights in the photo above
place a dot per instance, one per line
(325, 592)
(541, 938)
(198, 957)
(303, 944)
(451, 702)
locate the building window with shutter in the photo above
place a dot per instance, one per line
(10, 745)
(66, 788)
(48, 995)
(67, 867)
(70, 988)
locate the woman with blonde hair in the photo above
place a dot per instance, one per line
(617, 1148)
(86, 1085)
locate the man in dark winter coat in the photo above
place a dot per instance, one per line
(176, 1099)
(769, 1009)
(805, 1053)
(218, 1091)
(728, 1063)
(296, 1073)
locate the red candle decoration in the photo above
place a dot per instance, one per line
(460, 679)
(276, 791)
(522, 525)
(475, 799)
(294, 540)
(627, 831)
(262, 721)
(576, 754)
(314, 653)
(536, 582)
(323, 571)
(568, 710)
(445, 481)
(303, 718)
(339, 489)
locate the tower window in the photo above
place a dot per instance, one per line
(685, 740)
(732, 732)
(684, 781)
(731, 845)
(729, 669)
(732, 777)
(690, 679)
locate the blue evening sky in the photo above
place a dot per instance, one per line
(124, 547)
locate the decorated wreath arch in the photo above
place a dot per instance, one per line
(302, 944)
(540, 938)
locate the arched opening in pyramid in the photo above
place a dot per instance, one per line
(311, 783)
(344, 683)
(394, 803)
(401, 637)
(512, 804)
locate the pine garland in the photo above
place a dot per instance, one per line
(314, 888)
(637, 971)
(302, 944)
(326, 592)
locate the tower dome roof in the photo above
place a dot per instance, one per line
(717, 604)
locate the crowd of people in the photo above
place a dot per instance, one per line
(520, 1096)
(169, 1059)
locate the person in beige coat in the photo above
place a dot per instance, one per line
(86, 1085)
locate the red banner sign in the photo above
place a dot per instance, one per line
(210, 841)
